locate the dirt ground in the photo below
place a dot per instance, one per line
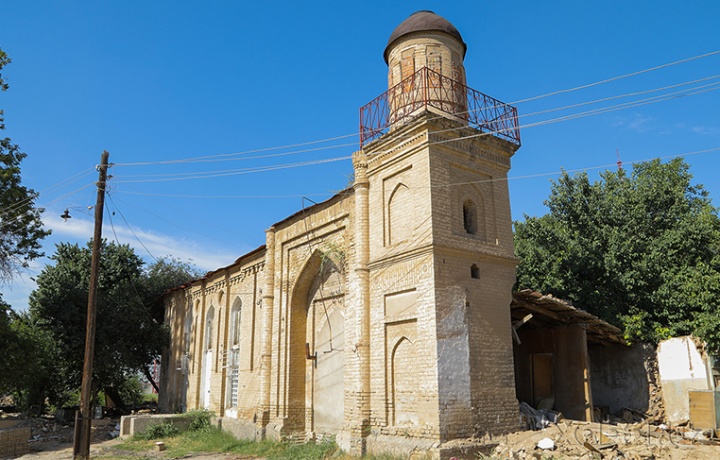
(50, 440)
(567, 440)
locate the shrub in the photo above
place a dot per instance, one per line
(200, 420)
(160, 430)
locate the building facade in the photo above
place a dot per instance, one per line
(380, 316)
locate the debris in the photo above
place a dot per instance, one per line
(538, 419)
(695, 435)
(574, 439)
(160, 446)
(546, 444)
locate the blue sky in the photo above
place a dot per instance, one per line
(157, 82)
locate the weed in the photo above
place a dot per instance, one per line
(159, 430)
(200, 420)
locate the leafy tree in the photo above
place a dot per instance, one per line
(129, 330)
(639, 250)
(8, 342)
(22, 344)
(20, 225)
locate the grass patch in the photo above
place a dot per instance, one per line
(210, 439)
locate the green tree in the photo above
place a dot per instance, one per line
(20, 225)
(640, 250)
(129, 330)
(8, 344)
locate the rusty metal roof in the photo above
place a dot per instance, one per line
(549, 311)
(423, 20)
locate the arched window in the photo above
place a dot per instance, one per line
(470, 217)
(233, 357)
(475, 271)
(209, 328)
(188, 327)
(235, 317)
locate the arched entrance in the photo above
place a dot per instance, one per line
(316, 389)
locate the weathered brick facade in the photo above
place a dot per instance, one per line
(380, 316)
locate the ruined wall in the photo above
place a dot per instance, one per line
(620, 376)
(682, 368)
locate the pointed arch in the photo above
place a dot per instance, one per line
(403, 384)
(297, 322)
(209, 326)
(316, 347)
(188, 327)
(470, 217)
(400, 211)
(235, 321)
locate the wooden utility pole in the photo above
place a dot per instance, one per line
(83, 418)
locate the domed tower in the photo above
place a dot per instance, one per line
(425, 56)
(433, 256)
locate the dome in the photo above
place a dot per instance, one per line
(423, 20)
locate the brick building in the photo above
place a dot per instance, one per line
(380, 316)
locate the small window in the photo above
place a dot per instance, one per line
(188, 328)
(235, 317)
(470, 217)
(209, 328)
(475, 272)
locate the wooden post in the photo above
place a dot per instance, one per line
(83, 420)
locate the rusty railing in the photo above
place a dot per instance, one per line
(429, 89)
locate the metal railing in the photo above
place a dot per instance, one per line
(427, 89)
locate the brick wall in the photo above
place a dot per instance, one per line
(14, 442)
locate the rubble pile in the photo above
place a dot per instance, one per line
(656, 405)
(602, 441)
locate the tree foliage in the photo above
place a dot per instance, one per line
(20, 225)
(640, 250)
(129, 330)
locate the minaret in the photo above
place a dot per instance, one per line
(435, 156)
(424, 55)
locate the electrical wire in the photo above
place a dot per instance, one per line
(178, 175)
(232, 156)
(619, 77)
(14, 207)
(235, 172)
(130, 228)
(520, 101)
(602, 110)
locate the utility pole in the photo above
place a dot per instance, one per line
(83, 418)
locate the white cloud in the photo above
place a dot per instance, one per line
(640, 124)
(705, 130)
(80, 230)
(147, 244)
(637, 123)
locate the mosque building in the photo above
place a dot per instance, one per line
(382, 315)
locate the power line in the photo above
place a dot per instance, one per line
(619, 77)
(602, 110)
(130, 228)
(235, 172)
(232, 156)
(218, 157)
(14, 207)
